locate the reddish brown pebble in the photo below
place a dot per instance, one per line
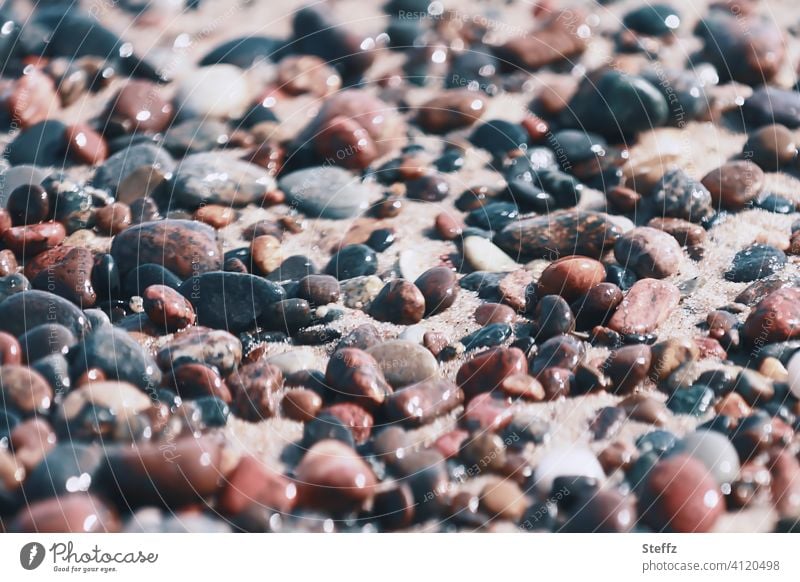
(570, 277)
(10, 350)
(557, 382)
(215, 215)
(28, 241)
(623, 199)
(449, 444)
(734, 184)
(344, 140)
(139, 106)
(400, 302)
(434, 341)
(648, 252)
(522, 386)
(451, 110)
(733, 406)
(165, 306)
(646, 306)
(8, 263)
(266, 253)
(775, 318)
(85, 145)
(318, 289)
(486, 371)
(644, 408)
(628, 367)
(619, 455)
(423, 402)
(358, 420)
(484, 412)
(75, 513)
(356, 374)
(439, 287)
(513, 288)
(252, 483)
(31, 98)
(301, 405)
(448, 226)
(28, 204)
(536, 127)
(389, 207)
(300, 74)
(254, 387)
(685, 232)
(112, 219)
(194, 380)
(70, 277)
(488, 313)
(333, 477)
(679, 495)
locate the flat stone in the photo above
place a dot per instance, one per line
(403, 362)
(646, 306)
(649, 252)
(483, 255)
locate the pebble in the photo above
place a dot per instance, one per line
(715, 451)
(133, 172)
(695, 400)
(680, 496)
(293, 361)
(70, 277)
(685, 232)
(199, 344)
(646, 306)
(597, 305)
(356, 374)
(357, 420)
(232, 301)
(192, 381)
(211, 178)
(772, 105)
(755, 262)
(566, 232)
(74, 513)
(113, 218)
(404, 362)
(487, 371)
(28, 204)
(671, 354)
(352, 261)
(439, 287)
(606, 511)
(649, 252)
(561, 351)
(41, 144)
(399, 302)
(489, 313)
(166, 307)
(301, 405)
(448, 226)
(492, 335)
(214, 91)
(139, 106)
(28, 241)
(570, 277)
(524, 387)
(327, 192)
(483, 255)
(119, 356)
(553, 317)
(25, 389)
(10, 348)
(254, 387)
(628, 367)
(653, 20)
(251, 484)
(184, 247)
(451, 110)
(334, 477)
(734, 184)
(124, 404)
(642, 408)
(39, 307)
(771, 147)
(39, 342)
(679, 196)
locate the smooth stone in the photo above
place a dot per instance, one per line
(492, 335)
(499, 136)
(143, 276)
(116, 169)
(775, 318)
(603, 105)
(794, 375)
(646, 306)
(195, 136)
(352, 261)
(439, 287)
(293, 268)
(422, 402)
(771, 147)
(628, 367)
(139, 476)
(560, 351)
(25, 389)
(679, 196)
(450, 110)
(71, 278)
(597, 305)
(318, 289)
(139, 106)
(301, 405)
(649, 252)
(734, 184)
(503, 500)
(43, 340)
(403, 362)
(605, 511)
(714, 450)
(355, 373)
(39, 308)
(184, 247)
(123, 403)
(293, 361)
(755, 262)
(41, 144)
(487, 371)
(213, 91)
(653, 20)
(358, 421)
(362, 337)
(202, 345)
(575, 461)
(570, 277)
(399, 302)
(488, 313)
(13, 284)
(119, 356)
(326, 427)
(695, 400)
(73, 513)
(253, 484)
(19, 175)
(67, 468)
(254, 387)
(679, 495)
(232, 301)
(566, 232)
(192, 381)
(168, 308)
(211, 178)
(769, 105)
(553, 316)
(332, 476)
(327, 192)
(483, 255)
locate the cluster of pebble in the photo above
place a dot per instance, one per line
(136, 330)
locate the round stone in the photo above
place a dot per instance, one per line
(715, 451)
(573, 461)
(404, 362)
(352, 261)
(649, 252)
(755, 262)
(439, 287)
(400, 302)
(734, 184)
(570, 277)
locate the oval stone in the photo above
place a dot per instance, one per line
(404, 362)
(646, 306)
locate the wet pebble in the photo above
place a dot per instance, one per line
(755, 262)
